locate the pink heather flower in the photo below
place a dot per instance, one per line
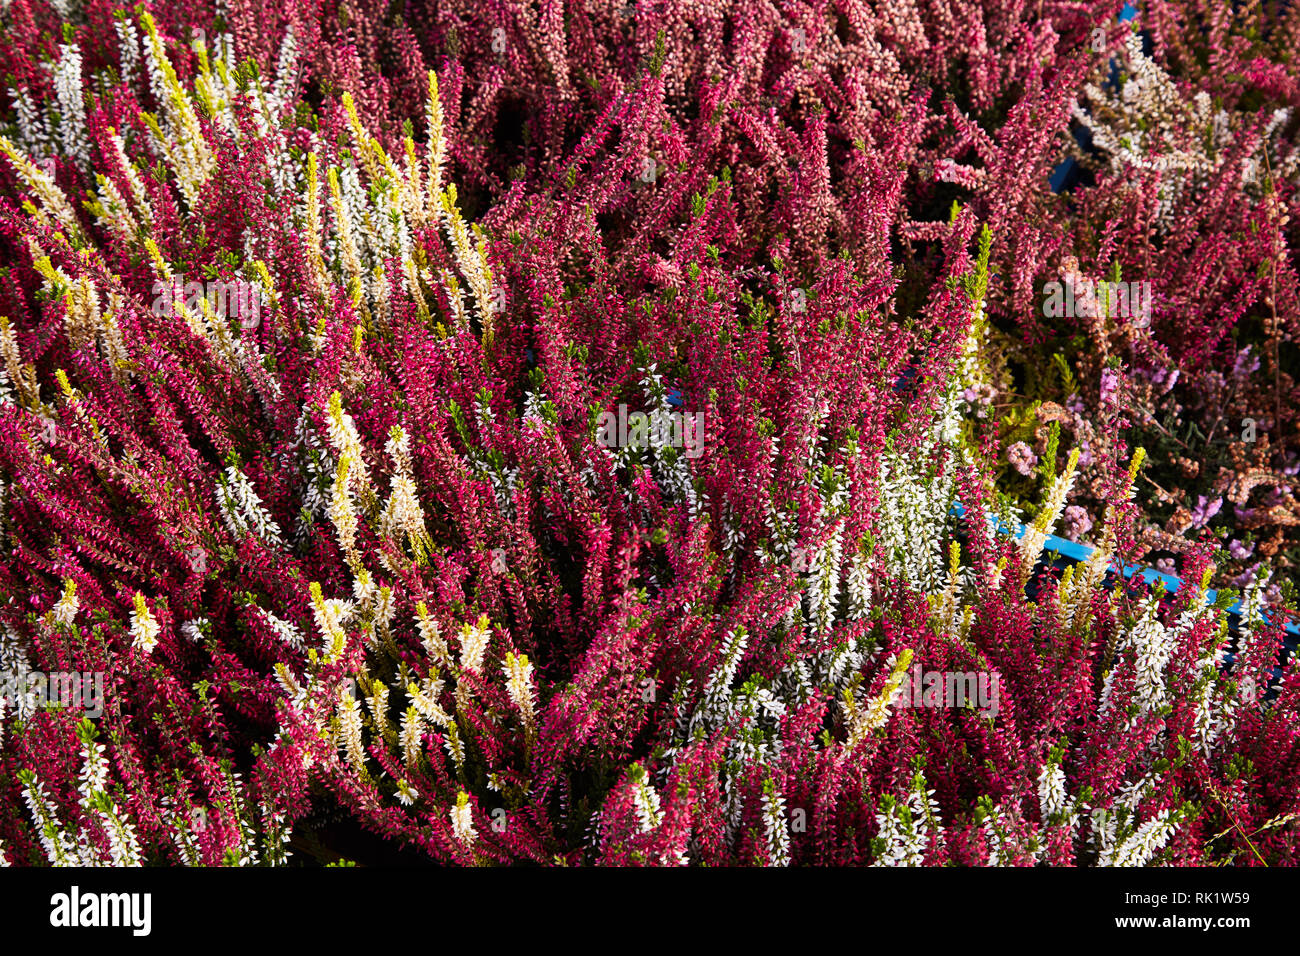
(1022, 458)
(947, 171)
(1166, 565)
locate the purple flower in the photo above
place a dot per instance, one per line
(1109, 384)
(1245, 364)
(1240, 551)
(979, 397)
(1246, 577)
(1166, 565)
(1163, 379)
(1076, 522)
(1205, 510)
(1022, 458)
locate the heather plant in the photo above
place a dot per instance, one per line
(380, 553)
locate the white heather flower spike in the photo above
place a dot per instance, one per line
(425, 703)
(128, 39)
(53, 200)
(406, 794)
(435, 648)
(462, 820)
(378, 703)
(1051, 792)
(1155, 647)
(111, 210)
(412, 733)
(775, 828)
(123, 848)
(398, 448)
(241, 508)
(312, 222)
(646, 800)
(144, 629)
(286, 72)
(1148, 840)
(65, 611)
(863, 720)
(342, 434)
(473, 643)
(471, 258)
(403, 514)
(907, 825)
(59, 848)
(33, 132)
(349, 254)
(342, 513)
(437, 143)
(284, 630)
(139, 198)
(349, 715)
(295, 691)
(68, 89)
(859, 587)
(183, 145)
(1035, 536)
(519, 685)
(329, 619)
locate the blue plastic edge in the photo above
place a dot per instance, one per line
(1081, 552)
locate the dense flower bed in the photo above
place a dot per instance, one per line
(532, 434)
